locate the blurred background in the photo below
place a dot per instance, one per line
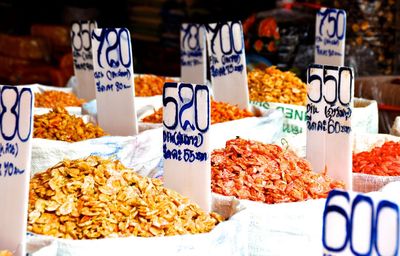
(35, 43)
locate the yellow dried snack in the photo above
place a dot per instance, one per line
(52, 99)
(5, 253)
(58, 124)
(150, 85)
(96, 198)
(273, 85)
(220, 112)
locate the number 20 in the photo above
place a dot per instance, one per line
(181, 107)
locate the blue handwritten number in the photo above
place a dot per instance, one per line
(330, 78)
(191, 37)
(198, 89)
(100, 38)
(389, 205)
(361, 198)
(86, 32)
(113, 63)
(9, 110)
(335, 19)
(24, 91)
(187, 105)
(338, 210)
(218, 31)
(311, 78)
(104, 41)
(124, 38)
(343, 14)
(172, 100)
(76, 37)
(340, 85)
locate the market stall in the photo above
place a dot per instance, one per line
(228, 158)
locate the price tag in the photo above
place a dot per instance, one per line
(16, 126)
(330, 94)
(228, 63)
(114, 84)
(330, 35)
(358, 224)
(193, 54)
(83, 58)
(186, 144)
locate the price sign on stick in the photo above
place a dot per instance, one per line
(83, 58)
(228, 63)
(16, 129)
(193, 54)
(357, 224)
(114, 84)
(186, 149)
(330, 35)
(330, 94)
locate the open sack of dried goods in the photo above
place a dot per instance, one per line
(148, 92)
(275, 89)
(48, 97)
(144, 106)
(59, 135)
(96, 206)
(276, 186)
(267, 173)
(232, 121)
(376, 161)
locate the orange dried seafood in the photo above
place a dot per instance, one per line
(220, 112)
(95, 198)
(382, 161)
(262, 172)
(52, 99)
(150, 85)
(58, 124)
(5, 253)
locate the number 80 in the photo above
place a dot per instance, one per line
(13, 111)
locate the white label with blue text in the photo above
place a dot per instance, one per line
(360, 224)
(186, 146)
(193, 54)
(330, 95)
(330, 36)
(16, 129)
(83, 58)
(227, 60)
(114, 81)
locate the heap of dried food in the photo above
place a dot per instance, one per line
(96, 198)
(220, 112)
(58, 124)
(273, 85)
(252, 170)
(53, 99)
(150, 85)
(5, 253)
(382, 161)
